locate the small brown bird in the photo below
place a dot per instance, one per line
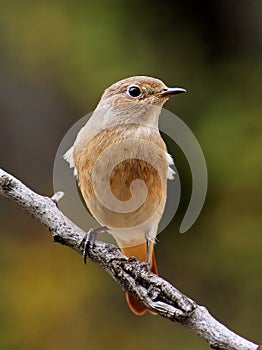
(122, 166)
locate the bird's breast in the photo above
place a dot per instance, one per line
(122, 174)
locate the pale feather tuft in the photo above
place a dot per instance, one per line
(68, 156)
(170, 172)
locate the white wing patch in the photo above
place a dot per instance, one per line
(68, 156)
(170, 172)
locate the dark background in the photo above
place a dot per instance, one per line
(56, 59)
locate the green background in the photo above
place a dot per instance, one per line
(56, 58)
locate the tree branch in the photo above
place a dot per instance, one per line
(130, 274)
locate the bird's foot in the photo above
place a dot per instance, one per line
(90, 238)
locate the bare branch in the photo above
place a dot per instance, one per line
(130, 274)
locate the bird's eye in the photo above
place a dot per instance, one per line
(134, 91)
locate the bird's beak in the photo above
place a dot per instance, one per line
(171, 91)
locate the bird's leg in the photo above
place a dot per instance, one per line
(90, 238)
(148, 251)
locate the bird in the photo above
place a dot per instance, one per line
(122, 166)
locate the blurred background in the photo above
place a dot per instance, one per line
(56, 58)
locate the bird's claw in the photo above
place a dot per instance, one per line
(89, 239)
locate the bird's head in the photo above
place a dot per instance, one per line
(135, 99)
(139, 89)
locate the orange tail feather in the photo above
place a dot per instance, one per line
(140, 252)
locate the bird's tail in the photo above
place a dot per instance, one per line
(140, 252)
